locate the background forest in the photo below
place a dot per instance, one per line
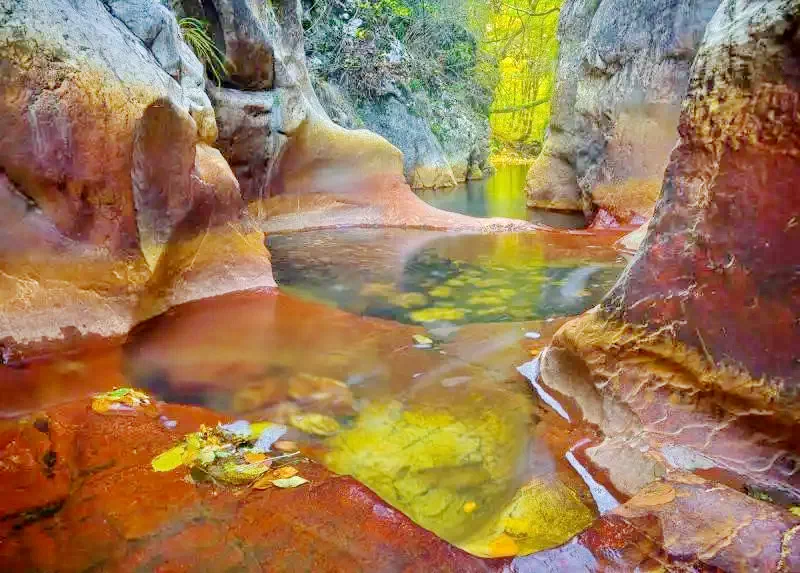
(460, 65)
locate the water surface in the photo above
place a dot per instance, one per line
(499, 195)
(424, 277)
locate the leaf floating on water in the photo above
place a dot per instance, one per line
(291, 482)
(469, 507)
(315, 424)
(421, 341)
(169, 460)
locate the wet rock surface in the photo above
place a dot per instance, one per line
(623, 71)
(78, 489)
(105, 172)
(83, 495)
(680, 524)
(690, 361)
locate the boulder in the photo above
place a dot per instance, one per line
(424, 160)
(698, 341)
(104, 157)
(623, 70)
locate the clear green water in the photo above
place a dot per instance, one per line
(501, 195)
(426, 278)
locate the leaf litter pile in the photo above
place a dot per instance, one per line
(239, 453)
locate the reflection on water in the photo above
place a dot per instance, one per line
(427, 278)
(449, 434)
(501, 195)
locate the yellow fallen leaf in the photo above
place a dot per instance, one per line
(285, 446)
(795, 510)
(503, 546)
(422, 340)
(254, 457)
(291, 482)
(234, 473)
(263, 482)
(315, 424)
(283, 472)
(169, 460)
(469, 507)
(124, 400)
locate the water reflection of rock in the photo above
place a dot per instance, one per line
(431, 431)
(435, 278)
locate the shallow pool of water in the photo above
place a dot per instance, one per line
(429, 278)
(447, 431)
(500, 195)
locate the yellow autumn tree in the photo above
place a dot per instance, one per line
(520, 38)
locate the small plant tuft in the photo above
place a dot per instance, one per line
(195, 33)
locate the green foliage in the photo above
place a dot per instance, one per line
(522, 46)
(195, 33)
(372, 48)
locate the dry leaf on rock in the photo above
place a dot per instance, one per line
(291, 482)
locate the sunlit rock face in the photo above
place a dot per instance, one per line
(698, 342)
(623, 70)
(114, 205)
(297, 168)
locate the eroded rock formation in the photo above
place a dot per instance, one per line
(623, 70)
(297, 168)
(114, 203)
(695, 351)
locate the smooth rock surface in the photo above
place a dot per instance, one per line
(623, 70)
(104, 165)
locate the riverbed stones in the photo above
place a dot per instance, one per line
(623, 70)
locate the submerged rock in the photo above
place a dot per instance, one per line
(623, 70)
(94, 501)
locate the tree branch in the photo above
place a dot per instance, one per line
(536, 103)
(529, 12)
